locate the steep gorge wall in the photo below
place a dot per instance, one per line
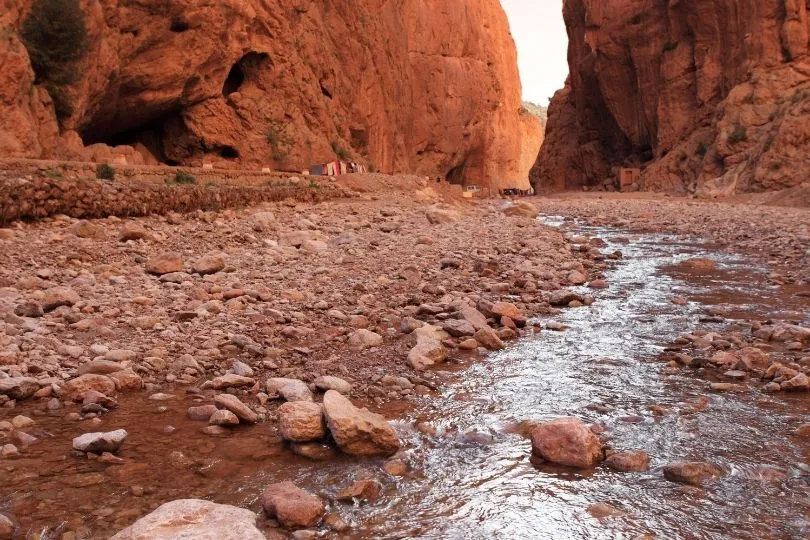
(706, 96)
(423, 86)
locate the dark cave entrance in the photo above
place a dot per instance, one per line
(244, 70)
(455, 175)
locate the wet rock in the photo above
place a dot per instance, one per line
(58, 297)
(301, 421)
(18, 387)
(293, 507)
(327, 382)
(201, 413)
(396, 467)
(694, 473)
(208, 264)
(628, 461)
(336, 523)
(97, 443)
(752, 358)
(126, 380)
(604, 510)
(223, 418)
(164, 263)
(314, 451)
(289, 389)
(192, 518)
(567, 441)
(562, 297)
(362, 490)
(803, 431)
(470, 314)
(429, 349)
(75, 389)
(358, 431)
(598, 284)
(489, 339)
(364, 339)
(235, 405)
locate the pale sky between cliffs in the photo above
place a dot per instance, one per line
(542, 43)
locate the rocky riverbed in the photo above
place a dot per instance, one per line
(211, 355)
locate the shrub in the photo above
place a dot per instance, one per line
(105, 172)
(739, 134)
(279, 140)
(55, 35)
(340, 152)
(182, 177)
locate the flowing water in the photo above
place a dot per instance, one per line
(472, 478)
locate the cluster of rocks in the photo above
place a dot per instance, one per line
(569, 442)
(774, 354)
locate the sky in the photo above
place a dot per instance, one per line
(542, 43)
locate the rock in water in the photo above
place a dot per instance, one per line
(193, 518)
(301, 421)
(98, 443)
(694, 473)
(567, 441)
(293, 507)
(356, 431)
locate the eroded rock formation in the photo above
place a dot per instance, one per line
(706, 96)
(423, 86)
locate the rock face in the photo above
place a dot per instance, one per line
(283, 84)
(192, 518)
(706, 96)
(358, 432)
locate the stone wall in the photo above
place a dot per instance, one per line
(36, 190)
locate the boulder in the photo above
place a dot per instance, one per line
(567, 441)
(230, 380)
(224, 418)
(437, 215)
(99, 367)
(506, 309)
(628, 461)
(293, 507)
(358, 431)
(289, 389)
(458, 328)
(521, 209)
(164, 263)
(694, 473)
(561, 297)
(57, 297)
(132, 230)
(202, 412)
(197, 519)
(429, 349)
(98, 443)
(208, 264)
(489, 339)
(235, 405)
(301, 421)
(364, 339)
(19, 387)
(74, 389)
(362, 490)
(327, 382)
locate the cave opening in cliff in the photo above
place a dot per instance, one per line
(456, 175)
(244, 70)
(229, 152)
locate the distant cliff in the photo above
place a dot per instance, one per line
(424, 86)
(707, 96)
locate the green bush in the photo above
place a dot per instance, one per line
(55, 35)
(340, 152)
(105, 172)
(279, 140)
(182, 177)
(739, 134)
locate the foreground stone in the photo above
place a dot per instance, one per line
(628, 461)
(289, 389)
(567, 441)
(357, 431)
(193, 518)
(74, 389)
(694, 473)
(235, 405)
(98, 443)
(293, 507)
(165, 263)
(429, 349)
(18, 387)
(301, 421)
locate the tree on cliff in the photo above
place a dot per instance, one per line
(55, 35)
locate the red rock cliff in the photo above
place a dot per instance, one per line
(424, 86)
(706, 96)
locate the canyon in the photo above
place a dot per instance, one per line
(706, 97)
(244, 84)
